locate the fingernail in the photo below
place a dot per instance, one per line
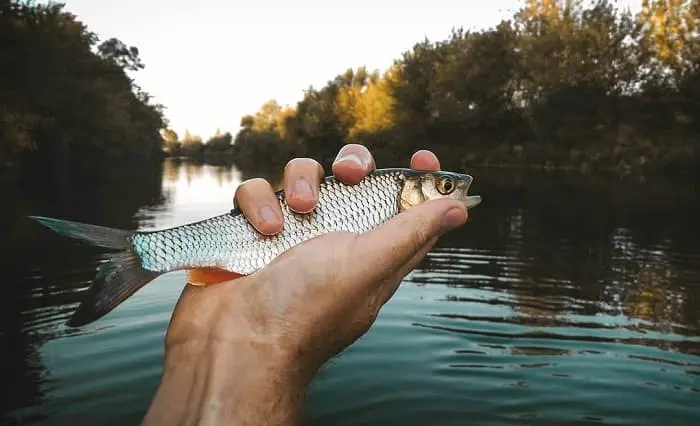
(454, 218)
(302, 190)
(350, 157)
(267, 214)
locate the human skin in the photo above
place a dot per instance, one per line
(243, 352)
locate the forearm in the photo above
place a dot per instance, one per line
(217, 384)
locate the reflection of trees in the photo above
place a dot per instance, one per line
(645, 283)
(565, 246)
(44, 272)
(171, 170)
(193, 171)
(653, 299)
(223, 175)
(532, 286)
(20, 365)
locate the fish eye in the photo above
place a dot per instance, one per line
(445, 185)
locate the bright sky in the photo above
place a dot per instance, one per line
(212, 61)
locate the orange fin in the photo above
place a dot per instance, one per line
(206, 276)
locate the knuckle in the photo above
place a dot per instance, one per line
(258, 181)
(300, 162)
(250, 184)
(250, 189)
(305, 166)
(419, 236)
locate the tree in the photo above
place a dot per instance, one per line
(125, 57)
(169, 135)
(68, 102)
(670, 32)
(564, 83)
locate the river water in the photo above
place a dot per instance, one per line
(565, 300)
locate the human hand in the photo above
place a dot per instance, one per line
(361, 271)
(282, 323)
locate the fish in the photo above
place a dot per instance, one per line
(226, 246)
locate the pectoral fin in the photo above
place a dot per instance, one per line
(207, 276)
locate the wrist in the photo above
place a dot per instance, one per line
(213, 323)
(232, 359)
(215, 381)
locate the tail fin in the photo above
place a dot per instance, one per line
(96, 235)
(117, 279)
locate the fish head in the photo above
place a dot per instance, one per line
(425, 186)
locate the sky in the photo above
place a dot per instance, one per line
(212, 61)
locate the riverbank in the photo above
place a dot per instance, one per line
(678, 162)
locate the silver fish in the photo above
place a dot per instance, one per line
(228, 243)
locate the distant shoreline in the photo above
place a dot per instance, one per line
(623, 169)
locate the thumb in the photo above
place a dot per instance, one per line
(394, 242)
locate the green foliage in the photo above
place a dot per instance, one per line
(192, 145)
(564, 84)
(220, 142)
(67, 100)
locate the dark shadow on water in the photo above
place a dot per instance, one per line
(556, 267)
(587, 246)
(44, 273)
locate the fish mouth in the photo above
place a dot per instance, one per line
(469, 201)
(472, 201)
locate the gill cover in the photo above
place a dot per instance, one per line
(427, 186)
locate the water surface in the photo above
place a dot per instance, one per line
(565, 300)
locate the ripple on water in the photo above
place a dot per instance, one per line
(535, 314)
(495, 349)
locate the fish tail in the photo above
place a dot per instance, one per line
(116, 279)
(100, 236)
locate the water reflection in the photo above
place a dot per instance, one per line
(564, 300)
(42, 275)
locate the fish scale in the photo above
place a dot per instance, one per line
(218, 248)
(230, 242)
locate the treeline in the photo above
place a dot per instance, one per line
(563, 84)
(66, 101)
(193, 146)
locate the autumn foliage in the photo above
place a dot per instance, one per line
(562, 84)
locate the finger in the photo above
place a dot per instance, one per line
(353, 163)
(395, 241)
(258, 203)
(425, 160)
(302, 177)
(390, 286)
